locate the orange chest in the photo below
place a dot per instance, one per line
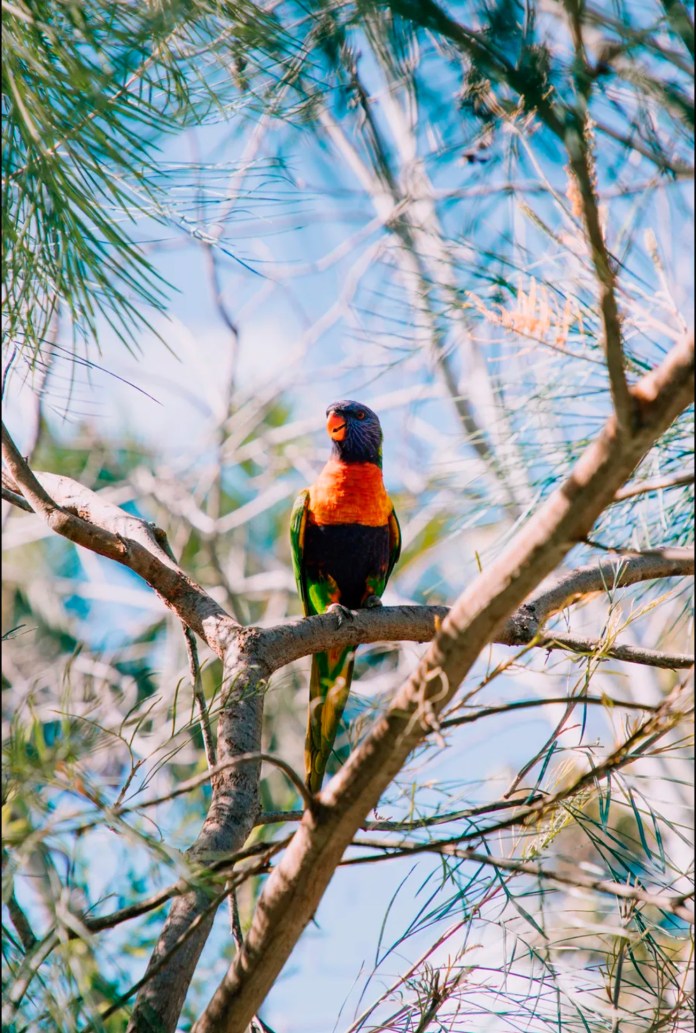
(349, 493)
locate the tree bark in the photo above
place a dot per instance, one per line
(231, 817)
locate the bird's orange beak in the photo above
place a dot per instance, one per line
(336, 427)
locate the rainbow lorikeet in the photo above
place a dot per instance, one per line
(345, 541)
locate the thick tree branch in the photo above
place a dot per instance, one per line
(230, 819)
(80, 515)
(295, 888)
(281, 644)
(287, 642)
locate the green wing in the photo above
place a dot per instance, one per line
(298, 523)
(394, 543)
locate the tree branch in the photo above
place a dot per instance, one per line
(580, 161)
(230, 819)
(296, 886)
(279, 645)
(16, 500)
(287, 642)
(209, 876)
(21, 922)
(659, 484)
(81, 516)
(629, 654)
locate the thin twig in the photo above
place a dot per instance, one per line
(201, 878)
(16, 500)
(615, 651)
(673, 903)
(659, 484)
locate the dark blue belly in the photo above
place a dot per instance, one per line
(349, 553)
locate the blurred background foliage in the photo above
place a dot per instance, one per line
(219, 217)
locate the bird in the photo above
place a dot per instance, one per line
(345, 539)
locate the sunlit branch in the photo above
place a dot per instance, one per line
(579, 155)
(287, 642)
(614, 651)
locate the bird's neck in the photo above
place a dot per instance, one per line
(344, 452)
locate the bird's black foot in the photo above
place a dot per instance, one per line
(372, 602)
(342, 613)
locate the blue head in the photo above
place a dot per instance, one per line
(355, 432)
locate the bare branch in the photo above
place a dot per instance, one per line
(659, 484)
(230, 819)
(629, 654)
(580, 160)
(291, 640)
(80, 515)
(209, 875)
(478, 713)
(16, 500)
(21, 922)
(286, 642)
(625, 569)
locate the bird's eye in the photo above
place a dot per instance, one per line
(360, 415)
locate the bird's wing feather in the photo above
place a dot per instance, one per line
(298, 523)
(394, 542)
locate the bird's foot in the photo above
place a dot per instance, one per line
(372, 602)
(342, 613)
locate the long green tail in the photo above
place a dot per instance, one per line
(329, 687)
